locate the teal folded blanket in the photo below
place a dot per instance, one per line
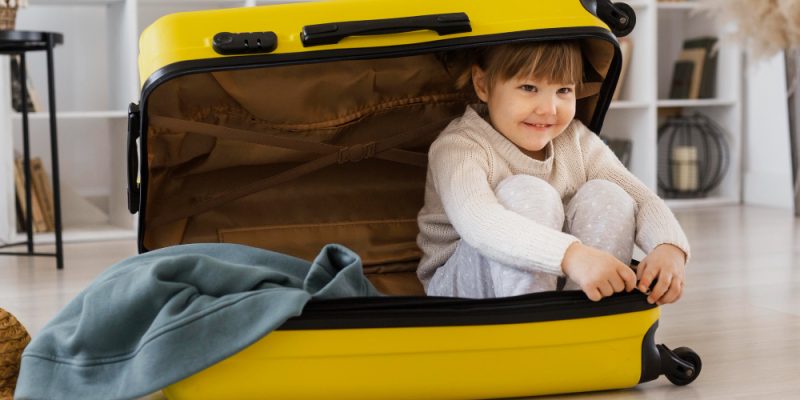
(156, 318)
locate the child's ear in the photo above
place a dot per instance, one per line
(479, 83)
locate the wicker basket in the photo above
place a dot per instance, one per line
(8, 15)
(13, 339)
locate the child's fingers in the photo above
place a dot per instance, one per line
(673, 294)
(681, 283)
(593, 294)
(640, 269)
(629, 278)
(646, 279)
(605, 289)
(617, 284)
(664, 282)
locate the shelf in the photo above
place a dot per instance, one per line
(73, 115)
(701, 202)
(268, 2)
(638, 3)
(627, 104)
(243, 3)
(83, 234)
(695, 103)
(188, 2)
(679, 5)
(74, 2)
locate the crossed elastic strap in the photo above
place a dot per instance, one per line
(331, 154)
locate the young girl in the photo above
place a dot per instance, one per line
(519, 193)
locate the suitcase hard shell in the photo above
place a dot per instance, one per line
(490, 360)
(291, 126)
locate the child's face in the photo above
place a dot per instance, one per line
(528, 112)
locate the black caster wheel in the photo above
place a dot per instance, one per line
(681, 366)
(619, 17)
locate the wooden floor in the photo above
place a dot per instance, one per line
(740, 310)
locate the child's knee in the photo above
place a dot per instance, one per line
(533, 198)
(606, 195)
(527, 186)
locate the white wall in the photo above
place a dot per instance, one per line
(7, 205)
(767, 171)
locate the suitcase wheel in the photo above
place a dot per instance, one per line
(681, 366)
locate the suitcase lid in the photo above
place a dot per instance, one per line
(189, 36)
(296, 143)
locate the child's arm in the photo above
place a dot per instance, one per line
(460, 171)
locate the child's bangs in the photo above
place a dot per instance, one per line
(554, 62)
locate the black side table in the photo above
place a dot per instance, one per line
(21, 42)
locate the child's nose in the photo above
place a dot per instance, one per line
(546, 106)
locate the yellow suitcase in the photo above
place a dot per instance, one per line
(290, 126)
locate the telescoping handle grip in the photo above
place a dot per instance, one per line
(331, 33)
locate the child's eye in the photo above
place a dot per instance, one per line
(565, 90)
(528, 88)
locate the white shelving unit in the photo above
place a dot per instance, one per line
(657, 40)
(96, 79)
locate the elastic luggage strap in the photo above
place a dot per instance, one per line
(333, 154)
(242, 135)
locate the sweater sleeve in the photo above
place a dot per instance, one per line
(655, 223)
(460, 169)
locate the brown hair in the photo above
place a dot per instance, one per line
(553, 61)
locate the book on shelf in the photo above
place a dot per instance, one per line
(697, 57)
(33, 102)
(695, 71)
(19, 185)
(625, 48)
(708, 80)
(20, 222)
(681, 84)
(39, 222)
(44, 194)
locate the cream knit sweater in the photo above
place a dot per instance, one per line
(470, 158)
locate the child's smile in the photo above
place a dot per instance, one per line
(537, 126)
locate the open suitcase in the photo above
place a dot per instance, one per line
(291, 126)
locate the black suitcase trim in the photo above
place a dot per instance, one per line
(406, 311)
(178, 69)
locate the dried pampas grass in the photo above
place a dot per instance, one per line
(13, 3)
(764, 27)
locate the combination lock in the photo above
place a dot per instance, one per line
(245, 43)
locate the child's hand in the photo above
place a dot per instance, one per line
(598, 273)
(667, 263)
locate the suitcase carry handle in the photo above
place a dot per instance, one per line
(332, 33)
(133, 157)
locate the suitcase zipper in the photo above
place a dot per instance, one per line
(384, 312)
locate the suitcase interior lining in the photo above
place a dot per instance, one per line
(363, 195)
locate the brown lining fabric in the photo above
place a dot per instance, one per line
(289, 158)
(335, 154)
(377, 242)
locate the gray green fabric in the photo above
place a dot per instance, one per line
(156, 318)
